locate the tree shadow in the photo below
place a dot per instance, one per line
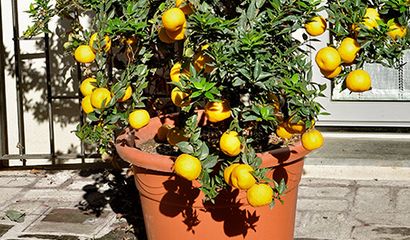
(181, 196)
(34, 79)
(229, 210)
(117, 189)
(179, 199)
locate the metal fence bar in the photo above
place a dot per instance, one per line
(49, 98)
(82, 118)
(49, 156)
(19, 83)
(4, 148)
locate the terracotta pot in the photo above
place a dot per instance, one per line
(173, 207)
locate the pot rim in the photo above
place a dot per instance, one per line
(164, 163)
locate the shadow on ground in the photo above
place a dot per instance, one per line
(117, 189)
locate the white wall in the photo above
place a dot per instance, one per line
(35, 113)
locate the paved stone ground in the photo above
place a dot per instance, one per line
(76, 205)
(348, 209)
(69, 205)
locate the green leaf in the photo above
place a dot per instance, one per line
(185, 147)
(203, 151)
(257, 70)
(15, 216)
(210, 162)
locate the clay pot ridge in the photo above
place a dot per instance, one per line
(164, 163)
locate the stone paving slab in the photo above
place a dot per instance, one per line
(50, 203)
(70, 222)
(353, 210)
(328, 209)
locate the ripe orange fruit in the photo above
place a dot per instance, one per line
(175, 72)
(87, 86)
(173, 19)
(176, 135)
(187, 8)
(86, 104)
(312, 139)
(370, 18)
(328, 59)
(298, 127)
(95, 44)
(259, 195)
(396, 31)
(101, 97)
(316, 26)
(177, 35)
(163, 36)
(228, 172)
(84, 54)
(162, 132)
(179, 98)
(332, 74)
(202, 61)
(187, 166)
(127, 94)
(282, 132)
(138, 118)
(348, 50)
(358, 81)
(242, 178)
(230, 144)
(217, 111)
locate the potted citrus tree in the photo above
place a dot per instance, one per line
(212, 102)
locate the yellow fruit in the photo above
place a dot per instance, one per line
(176, 135)
(173, 19)
(259, 195)
(86, 104)
(358, 81)
(370, 18)
(138, 118)
(202, 61)
(97, 47)
(187, 166)
(328, 59)
(217, 111)
(228, 172)
(316, 26)
(396, 31)
(312, 139)
(179, 98)
(298, 127)
(127, 94)
(100, 96)
(84, 54)
(332, 74)
(230, 144)
(348, 50)
(87, 86)
(177, 35)
(242, 178)
(175, 72)
(282, 132)
(162, 132)
(187, 9)
(163, 36)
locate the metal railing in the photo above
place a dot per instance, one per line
(18, 58)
